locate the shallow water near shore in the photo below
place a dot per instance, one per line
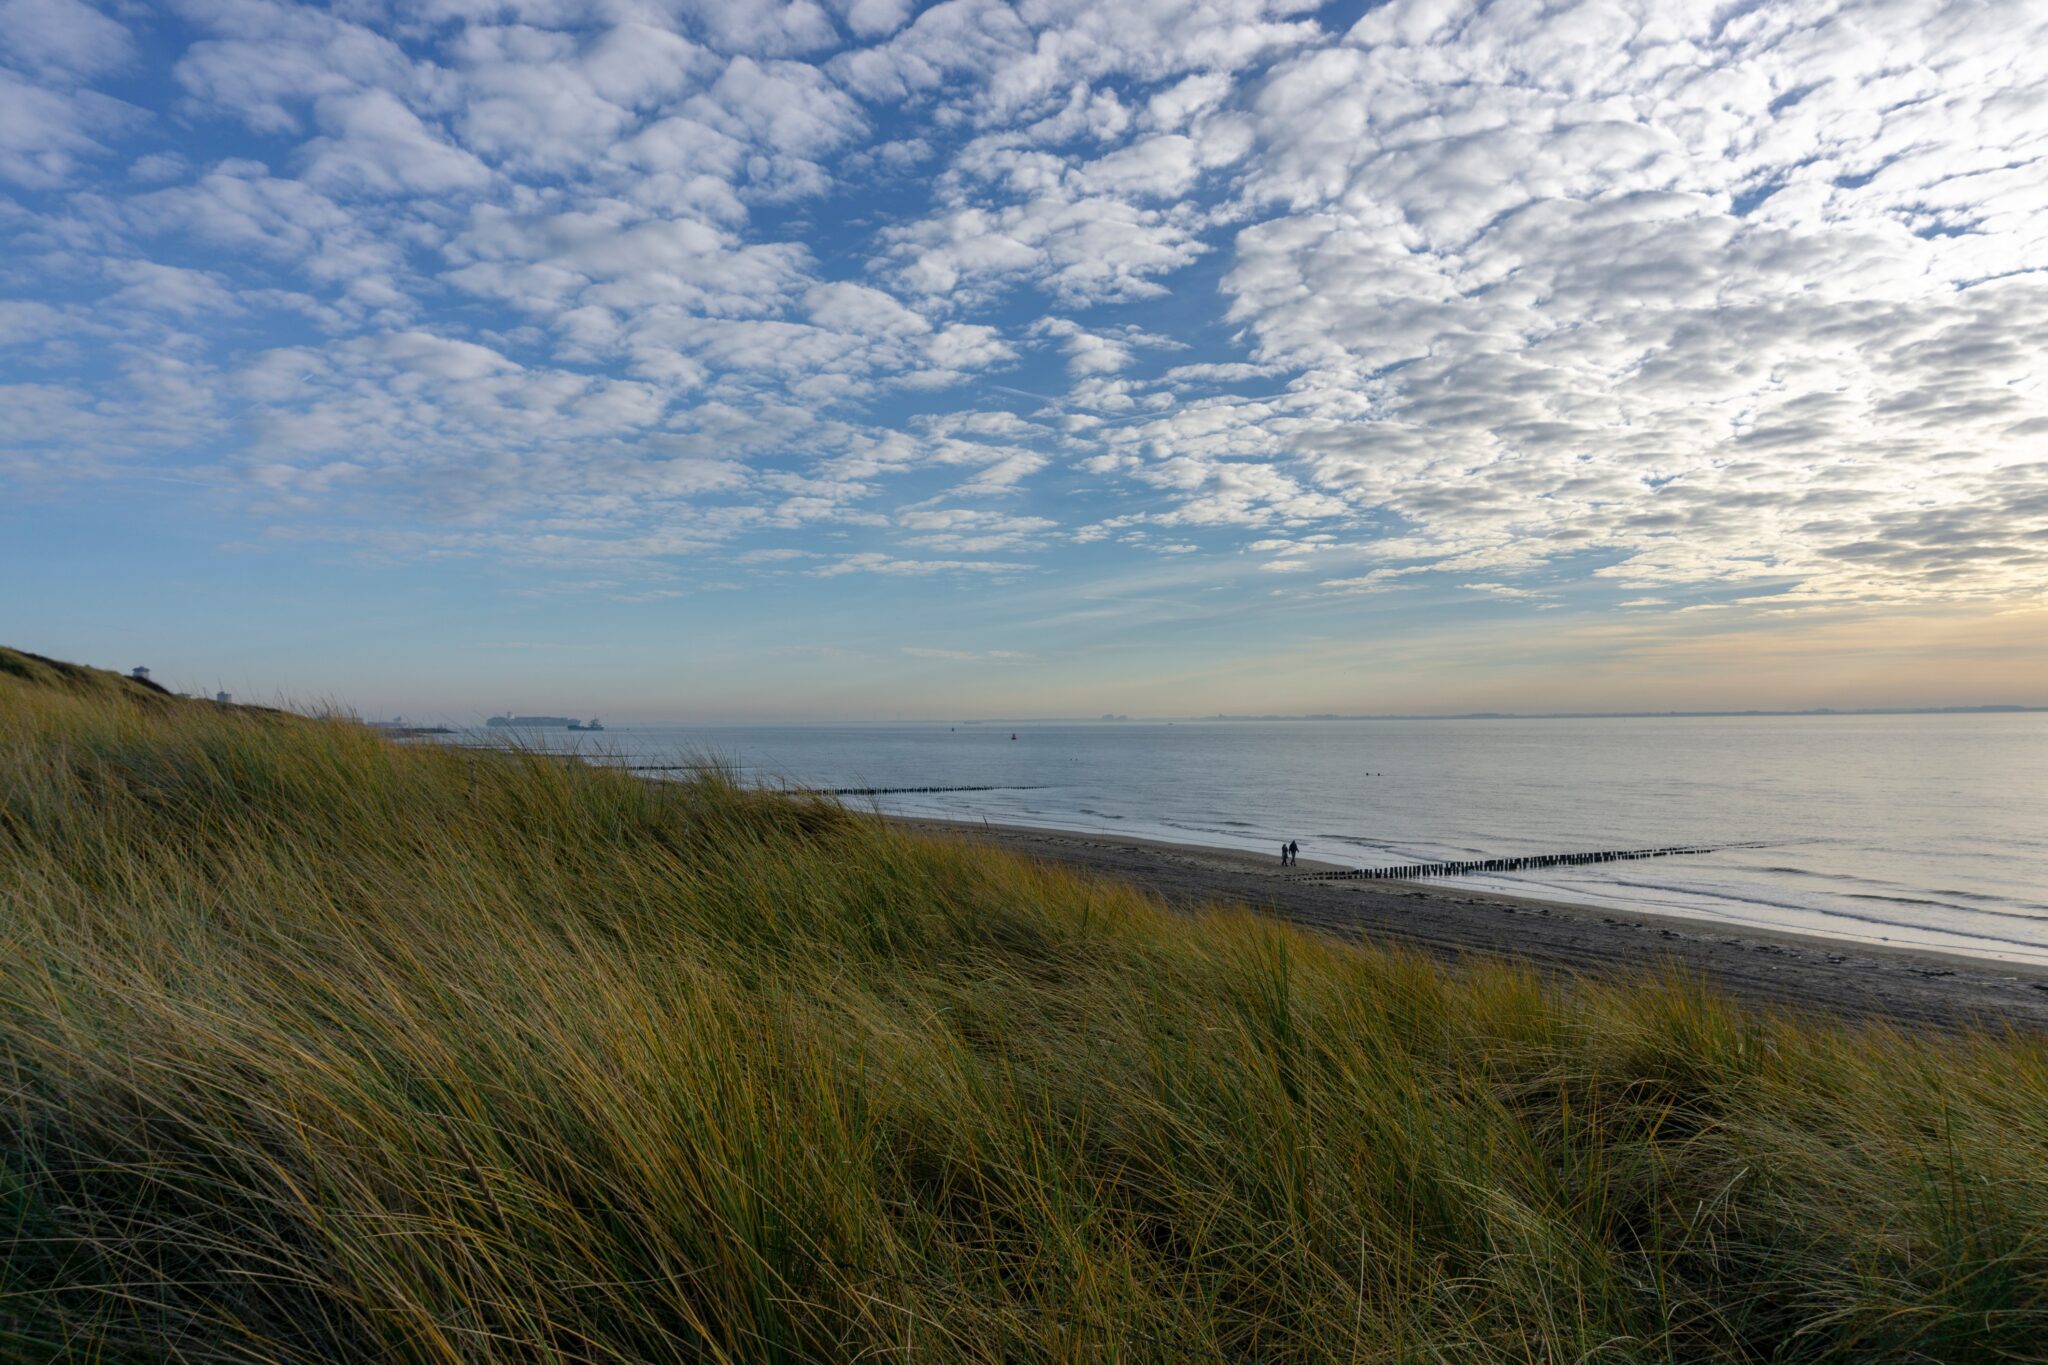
(1924, 831)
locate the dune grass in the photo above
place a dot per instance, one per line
(318, 1047)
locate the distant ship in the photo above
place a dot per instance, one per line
(578, 725)
(533, 722)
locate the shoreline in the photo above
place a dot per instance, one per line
(1805, 973)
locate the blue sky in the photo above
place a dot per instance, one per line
(873, 359)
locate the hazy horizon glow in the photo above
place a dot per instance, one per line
(863, 359)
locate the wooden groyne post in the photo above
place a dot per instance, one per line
(1408, 872)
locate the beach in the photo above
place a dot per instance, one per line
(1865, 829)
(1808, 974)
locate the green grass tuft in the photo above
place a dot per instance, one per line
(319, 1047)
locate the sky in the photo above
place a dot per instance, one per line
(865, 359)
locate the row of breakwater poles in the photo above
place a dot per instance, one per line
(1526, 863)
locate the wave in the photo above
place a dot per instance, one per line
(1946, 898)
(1945, 905)
(1720, 895)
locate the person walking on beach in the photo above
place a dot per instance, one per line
(1283, 855)
(1293, 854)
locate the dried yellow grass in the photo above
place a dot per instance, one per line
(318, 1047)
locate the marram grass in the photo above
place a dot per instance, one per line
(315, 1047)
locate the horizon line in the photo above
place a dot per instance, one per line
(1987, 708)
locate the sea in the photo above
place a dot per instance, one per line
(1927, 831)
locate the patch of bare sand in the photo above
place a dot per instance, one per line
(1808, 974)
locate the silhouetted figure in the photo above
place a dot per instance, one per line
(1283, 855)
(1293, 854)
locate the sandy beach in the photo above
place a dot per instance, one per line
(1784, 971)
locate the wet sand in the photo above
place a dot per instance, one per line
(1761, 967)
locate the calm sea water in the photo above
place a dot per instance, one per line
(1911, 830)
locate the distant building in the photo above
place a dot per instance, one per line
(223, 698)
(139, 673)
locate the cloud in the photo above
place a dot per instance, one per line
(873, 18)
(1686, 296)
(995, 656)
(847, 307)
(1087, 352)
(372, 143)
(419, 355)
(268, 60)
(774, 27)
(148, 286)
(1649, 303)
(786, 107)
(1090, 250)
(874, 562)
(48, 136)
(967, 531)
(1019, 60)
(540, 102)
(63, 39)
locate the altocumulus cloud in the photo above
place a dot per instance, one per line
(1625, 296)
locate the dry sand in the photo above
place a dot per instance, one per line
(1781, 970)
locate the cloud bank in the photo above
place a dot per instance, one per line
(1654, 304)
